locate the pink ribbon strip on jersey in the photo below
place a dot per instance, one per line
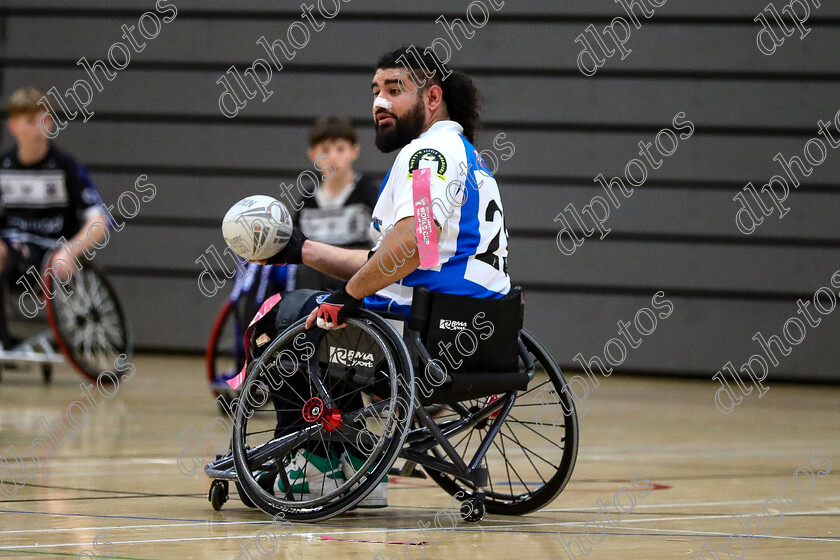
(424, 223)
(235, 382)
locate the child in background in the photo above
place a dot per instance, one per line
(340, 211)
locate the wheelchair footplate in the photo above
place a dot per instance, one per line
(36, 350)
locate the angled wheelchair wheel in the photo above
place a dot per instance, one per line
(89, 326)
(533, 455)
(225, 354)
(343, 398)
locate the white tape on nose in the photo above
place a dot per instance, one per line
(382, 102)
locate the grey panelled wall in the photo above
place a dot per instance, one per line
(676, 233)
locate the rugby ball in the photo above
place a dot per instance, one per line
(257, 227)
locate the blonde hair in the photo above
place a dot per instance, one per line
(25, 101)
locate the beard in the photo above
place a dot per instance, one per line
(404, 130)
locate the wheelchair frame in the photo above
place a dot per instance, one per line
(427, 443)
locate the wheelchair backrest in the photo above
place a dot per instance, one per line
(469, 334)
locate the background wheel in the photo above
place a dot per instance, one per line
(532, 458)
(225, 354)
(316, 379)
(90, 326)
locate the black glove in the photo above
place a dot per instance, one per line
(291, 253)
(335, 309)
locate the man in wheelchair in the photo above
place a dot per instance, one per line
(51, 214)
(438, 224)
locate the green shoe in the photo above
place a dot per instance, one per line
(311, 476)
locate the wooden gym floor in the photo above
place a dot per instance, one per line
(116, 478)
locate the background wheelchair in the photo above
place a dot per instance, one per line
(86, 328)
(504, 439)
(225, 353)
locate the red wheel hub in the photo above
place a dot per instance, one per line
(315, 411)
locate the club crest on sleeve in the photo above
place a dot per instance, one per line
(427, 154)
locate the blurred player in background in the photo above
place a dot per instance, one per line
(340, 210)
(45, 197)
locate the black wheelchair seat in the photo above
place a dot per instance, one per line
(472, 344)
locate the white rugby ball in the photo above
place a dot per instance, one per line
(257, 227)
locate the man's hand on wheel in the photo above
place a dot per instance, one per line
(334, 310)
(291, 253)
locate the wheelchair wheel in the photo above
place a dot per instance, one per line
(304, 395)
(218, 494)
(89, 326)
(532, 457)
(225, 354)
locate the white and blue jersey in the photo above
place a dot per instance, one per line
(473, 243)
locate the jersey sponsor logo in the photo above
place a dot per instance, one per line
(431, 155)
(336, 226)
(42, 226)
(350, 358)
(452, 325)
(33, 189)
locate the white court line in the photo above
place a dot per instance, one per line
(311, 535)
(727, 516)
(71, 462)
(231, 537)
(118, 527)
(712, 450)
(684, 504)
(716, 533)
(647, 519)
(87, 543)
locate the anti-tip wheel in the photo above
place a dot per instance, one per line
(218, 494)
(472, 509)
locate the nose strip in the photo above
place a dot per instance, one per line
(382, 102)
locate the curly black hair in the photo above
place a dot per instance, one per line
(463, 102)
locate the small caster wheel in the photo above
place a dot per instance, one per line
(472, 509)
(46, 373)
(218, 494)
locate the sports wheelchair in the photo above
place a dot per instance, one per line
(490, 423)
(87, 328)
